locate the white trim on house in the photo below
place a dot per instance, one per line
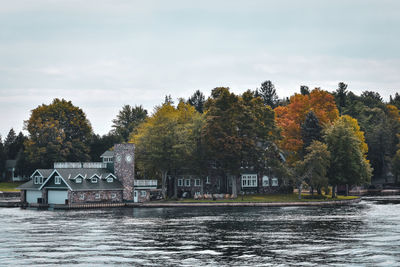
(197, 182)
(33, 174)
(98, 177)
(187, 182)
(57, 179)
(78, 180)
(110, 174)
(79, 175)
(249, 180)
(275, 182)
(94, 180)
(180, 182)
(110, 180)
(55, 171)
(265, 180)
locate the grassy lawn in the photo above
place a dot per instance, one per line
(9, 186)
(270, 198)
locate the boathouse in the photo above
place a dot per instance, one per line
(109, 181)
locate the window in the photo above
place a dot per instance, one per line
(265, 181)
(113, 195)
(57, 180)
(109, 180)
(249, 180)
(143, 193)
(180, 182)
(40, 180)
(208, 180)
(197, 182)
(37, 180)
(94, 180)
(187, 182)
(274, 181)
(78, 180)
(82, 196)
(97, 196)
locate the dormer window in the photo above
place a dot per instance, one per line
(78, 180)
(57, 180)
(94, 180)
(110, 180)
(38, 180)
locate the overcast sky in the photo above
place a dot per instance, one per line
(103, 54)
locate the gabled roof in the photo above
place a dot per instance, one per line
(107, 154)
(69, 175)
(48, 179)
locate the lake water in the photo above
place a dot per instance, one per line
(365, 234)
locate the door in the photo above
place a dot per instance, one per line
(33, 195)
(57, 196)
(135, 196)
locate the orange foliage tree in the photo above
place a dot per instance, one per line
(289, 118)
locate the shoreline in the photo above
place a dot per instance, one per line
(11, 204)
(247, 204)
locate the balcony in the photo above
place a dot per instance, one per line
(145, 183)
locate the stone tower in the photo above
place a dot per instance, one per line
(124, 167)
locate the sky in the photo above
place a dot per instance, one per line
(102, 54)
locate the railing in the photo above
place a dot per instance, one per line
(145, 183)
(79, 165)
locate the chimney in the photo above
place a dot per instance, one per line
(124, 167)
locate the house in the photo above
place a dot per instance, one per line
(217, 182)
(111, 180)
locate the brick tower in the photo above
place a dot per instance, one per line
(124, 167)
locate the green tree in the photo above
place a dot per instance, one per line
(341, 94)
(9, 144)
(127, 121)
(310, 130)
(197, 100)
(396, 166)
(348, 162)
(2, 158)
(100, 144)
(238, 129)
(57, 132)
(166, 141)
(304, 90)
(268, 94)
(316, 164)
(395, 101)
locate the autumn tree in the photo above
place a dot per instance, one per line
(289, 118)
(128, 119)
(165, 141)
(57, 132)
(197, 100)
(346, 145)
(268, 94)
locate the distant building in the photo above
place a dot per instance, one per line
(111, 180)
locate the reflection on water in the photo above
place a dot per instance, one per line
(362, 234)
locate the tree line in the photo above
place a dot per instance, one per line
(315, 137)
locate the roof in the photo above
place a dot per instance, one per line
(29, 185)
(69, 176)
(107, 154)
